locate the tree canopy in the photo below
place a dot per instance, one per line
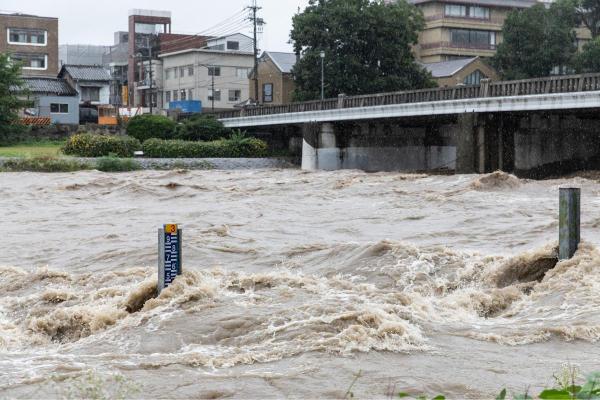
(10, 81)
(588, 12)
(536, 40)
(367, 45)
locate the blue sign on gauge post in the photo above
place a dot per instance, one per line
(169, 255)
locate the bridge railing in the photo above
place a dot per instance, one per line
(548, 85)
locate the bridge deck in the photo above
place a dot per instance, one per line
(551, 93)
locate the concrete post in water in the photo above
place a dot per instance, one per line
(169, 255)
(328, 154)
(569, 217)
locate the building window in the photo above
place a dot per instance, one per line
(233, 45)
(474, 78)
(174, 95)
(235, 95)
(455, 10)
(268, 93)
(30, 37)
(175, 72)
(190, 94)
(242, 73)
(191, 70)
(183, 96)
(90, 94)
(472, 39)
(182, 72)
(479, 12)
(216, 96)
(461, 11)
(59, 108)
(167, 73)
(214, 71)
(167, 97)
(31, 61)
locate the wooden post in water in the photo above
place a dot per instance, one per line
(169, 255)
(568, 220)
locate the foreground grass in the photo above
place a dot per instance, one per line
(54, 164)
(569, 384)
(32, 149)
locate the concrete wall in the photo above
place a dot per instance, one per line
(549, 140)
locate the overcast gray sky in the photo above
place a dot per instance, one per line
(93, 22)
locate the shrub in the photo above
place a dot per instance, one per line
(114, 164)
(201, 127)
(43, 164)
(216, 149)
(13, 134)
(90, 145)
(144, 127)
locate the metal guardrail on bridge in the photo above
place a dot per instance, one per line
(549, 85)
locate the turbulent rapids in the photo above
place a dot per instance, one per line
(294, 282)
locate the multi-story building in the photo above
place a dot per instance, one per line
(32, 40)
(216, 74)
(457, 29)
(462, 29)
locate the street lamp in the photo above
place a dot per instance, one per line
(322, 75)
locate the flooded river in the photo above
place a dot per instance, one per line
(294, 283)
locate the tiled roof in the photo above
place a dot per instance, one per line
(85, 72)
(284, 61)
(55, 86)
(447, 68)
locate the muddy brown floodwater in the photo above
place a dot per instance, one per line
(294, 282)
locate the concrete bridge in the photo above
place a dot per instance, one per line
(532, 127)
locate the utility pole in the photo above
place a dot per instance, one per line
(256, 23)
(150, 49)
(213, 91)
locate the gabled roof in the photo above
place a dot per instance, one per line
(447, 68)
(85, 72)
(53, 86)
(283, 61)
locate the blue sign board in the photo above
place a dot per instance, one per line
(186, 106)
(170, 262)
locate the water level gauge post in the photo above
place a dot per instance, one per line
(569, 222)
(169, 255)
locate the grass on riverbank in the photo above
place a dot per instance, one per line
(32, 149)
(55, 164)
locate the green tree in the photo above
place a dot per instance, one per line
(536, 40)
(367, 45)
(589, 58)
(589, 14)
(10, 84)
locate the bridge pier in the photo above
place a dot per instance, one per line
(484, 143)
(320, 149)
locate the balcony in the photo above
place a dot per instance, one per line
(145, 84)
(459, 46)
(439, 20)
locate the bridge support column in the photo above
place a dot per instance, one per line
(328, 154)
(466, 144)
(309, 148)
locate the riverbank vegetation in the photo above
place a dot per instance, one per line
(568, 385)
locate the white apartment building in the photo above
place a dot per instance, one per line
(191, 74)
